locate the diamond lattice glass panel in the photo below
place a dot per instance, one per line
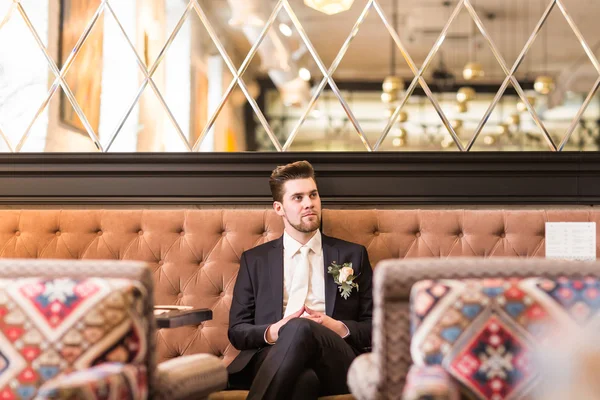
(572, 75)
(84, 76)
(227, 130)
(318, 26)
(104, 74)
(176, 72)
(509, 23)
(419, 127)
(421, 24)
(289, 76)
(507, 128)
(149, 127)
(195, 50)
(383, 58)
(240, 23)
(49, 134)
(74, 22)
(328, 128)
(460, 94)
(24, 74)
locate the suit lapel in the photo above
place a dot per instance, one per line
(276, 275)
(330, 254)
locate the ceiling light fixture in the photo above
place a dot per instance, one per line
(465, 94)
(544, 84)
(473, 70)
(285, 30)
(304, 74)
(329, 7)
(392, 85)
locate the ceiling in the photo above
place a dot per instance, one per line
(509, 23)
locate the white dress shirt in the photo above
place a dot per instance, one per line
(315, 298)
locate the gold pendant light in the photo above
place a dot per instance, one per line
(544, 84)
(522, 107)
(392, 88)
(515, 119)
(473, 71)
(393, 85)
(465, 94)
(329, 7)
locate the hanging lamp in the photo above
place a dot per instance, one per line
(392, 85)
(329, 7)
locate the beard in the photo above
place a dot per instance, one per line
(306, 227)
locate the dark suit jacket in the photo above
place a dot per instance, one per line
(258, 296)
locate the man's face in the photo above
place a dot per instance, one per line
(301, 205)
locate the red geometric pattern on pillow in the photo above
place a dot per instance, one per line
(50, 327)
(494, 362)
(455, 329)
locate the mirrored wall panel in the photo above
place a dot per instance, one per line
(299, 75)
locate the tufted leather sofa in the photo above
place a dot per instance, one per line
(195, 253)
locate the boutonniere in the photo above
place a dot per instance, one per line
(343, 276)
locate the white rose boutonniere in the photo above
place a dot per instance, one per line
(343, 276)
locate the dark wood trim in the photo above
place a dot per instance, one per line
(344, 178)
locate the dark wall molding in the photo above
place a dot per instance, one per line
(344, 178)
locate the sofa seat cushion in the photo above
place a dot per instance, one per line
(51, 327)
(485, 332)
(242, 394)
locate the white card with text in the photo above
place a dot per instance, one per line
(571, 240)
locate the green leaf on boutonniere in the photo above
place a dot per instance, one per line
(343, 276)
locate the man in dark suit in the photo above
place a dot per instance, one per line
(297, 334)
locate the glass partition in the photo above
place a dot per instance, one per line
(299, 75)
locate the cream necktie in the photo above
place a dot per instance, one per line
(299, 288)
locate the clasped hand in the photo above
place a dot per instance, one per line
(318, 317)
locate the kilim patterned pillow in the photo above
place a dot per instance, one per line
(52, 327)
(485, 332)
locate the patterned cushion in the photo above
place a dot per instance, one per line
(56, 326)
(429, 382)
(485, 331)
(105, 381)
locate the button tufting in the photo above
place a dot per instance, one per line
(17, 233)
(503, 235)
(182, 233)
(460, 234)
(161, 262)
(418, 234)
(57, 233)
(376, 233)
(265, 233)
(140, 232)
(99, 233)
(223, 233)
(221, 294)
(180, 294)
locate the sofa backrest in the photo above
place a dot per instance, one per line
(195, 254)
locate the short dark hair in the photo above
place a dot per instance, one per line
(284, 173)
